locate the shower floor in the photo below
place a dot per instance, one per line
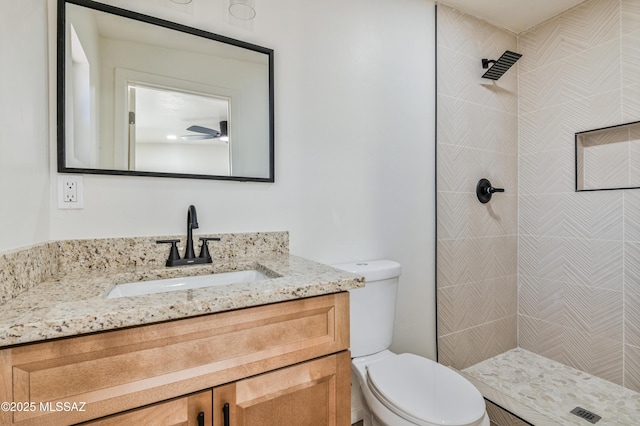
(543, 392)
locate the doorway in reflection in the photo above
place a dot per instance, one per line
(178, 132)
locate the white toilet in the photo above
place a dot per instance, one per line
(404, 389)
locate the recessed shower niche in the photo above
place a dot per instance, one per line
(608, 158)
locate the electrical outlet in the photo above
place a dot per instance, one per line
(70, 192)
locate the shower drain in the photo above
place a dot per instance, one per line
(586, 414)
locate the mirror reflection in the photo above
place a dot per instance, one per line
(142, 96)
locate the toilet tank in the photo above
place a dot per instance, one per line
(373, 306)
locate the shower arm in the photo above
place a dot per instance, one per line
(487, 62)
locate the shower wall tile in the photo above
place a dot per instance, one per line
(464, 261)
(474, 219)
(579, 252)
(632, 367)
(460, 168)
(595, 215)
(586, 26)
(477, 133)
(541, 298)
(630, 58)
(631, 103)
(470, 346)
(591, 24)
(541, 337)
(632, 293)
(606, 166)
(630, 16)
(631, 214)
(460, 77)
(546, 172)
(471, 37)
(592, 263)
(464, 306)
(585, 74)
(554, 127)
(599, 356)
(595, 311)
(470, 125)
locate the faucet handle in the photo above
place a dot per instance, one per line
(204, 251)
(173, 254)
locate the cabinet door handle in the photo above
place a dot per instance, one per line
(201, 418)
(225, 413)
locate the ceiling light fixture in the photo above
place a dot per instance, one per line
(242, 9)
(182, 1)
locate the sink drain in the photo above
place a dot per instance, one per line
(586, 414)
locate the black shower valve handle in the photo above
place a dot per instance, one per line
(484, 190)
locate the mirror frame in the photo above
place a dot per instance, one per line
(61, 54)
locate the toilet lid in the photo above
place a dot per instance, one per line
(425, 392)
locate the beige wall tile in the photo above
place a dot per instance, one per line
(632, 367)
(474, 219)
(470, 346)
(471, 36)
(630, 58)
(630, 16)
(468, 124)
(460, 168)
(631, 215)
(599, 356)
(469, 305)
(631, 103)
(541, 298)
(477, 259)
(542, 337)
(593, 310)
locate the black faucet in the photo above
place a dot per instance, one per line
(189, 255)
(192, 223)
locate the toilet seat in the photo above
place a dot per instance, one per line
(424, 392)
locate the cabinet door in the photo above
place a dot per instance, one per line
(312, 393)
(193, 410)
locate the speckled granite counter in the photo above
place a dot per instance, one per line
(543, 392)
(73, 301)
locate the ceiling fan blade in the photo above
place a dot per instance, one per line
(196, 137)
(205, 130)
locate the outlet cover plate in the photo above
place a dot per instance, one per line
(63, 182)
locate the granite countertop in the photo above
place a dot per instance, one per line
(543, 392)
(75, 303)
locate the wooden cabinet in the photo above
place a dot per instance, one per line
(123, 370)
(313, 393)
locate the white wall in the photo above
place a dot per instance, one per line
(354, 91)
(24, 126)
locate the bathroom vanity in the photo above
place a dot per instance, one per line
(267, 352)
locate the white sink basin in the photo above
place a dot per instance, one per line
(183, 283)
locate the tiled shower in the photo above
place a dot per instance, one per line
(541, 266)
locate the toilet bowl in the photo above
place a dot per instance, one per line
(400, 389)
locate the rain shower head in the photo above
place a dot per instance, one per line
(500, 66)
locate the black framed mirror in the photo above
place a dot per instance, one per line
(142, 96)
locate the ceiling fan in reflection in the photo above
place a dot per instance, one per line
(207, 133)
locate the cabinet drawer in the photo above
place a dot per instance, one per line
(177, 412)
(119, 370)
